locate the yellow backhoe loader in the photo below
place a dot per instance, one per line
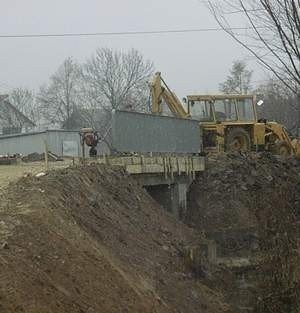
(227, 122)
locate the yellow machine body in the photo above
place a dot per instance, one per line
(227, 122)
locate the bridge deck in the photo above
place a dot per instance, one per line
(166, 165)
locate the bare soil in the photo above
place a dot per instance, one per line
(10, 173)
(250, 205)
(89, 239)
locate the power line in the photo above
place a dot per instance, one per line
(243, 11)
(127, 33)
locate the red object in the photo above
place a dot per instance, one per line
(90, 139)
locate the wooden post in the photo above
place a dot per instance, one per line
(46, 155)
(83, 151)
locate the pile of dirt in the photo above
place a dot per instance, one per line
(89, 239)
(278, 266)
(223, 198)
(37, 157)
(249, 204)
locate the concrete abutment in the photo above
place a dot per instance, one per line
(171, 194)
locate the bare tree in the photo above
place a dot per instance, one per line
(59, 98)
(24, 100)
(114, 80)
(280, 104)
(271, 32)
(118, 80)
(239, 80)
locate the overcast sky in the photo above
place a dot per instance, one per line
(189, 62)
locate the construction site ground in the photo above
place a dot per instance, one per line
(250, 206)
(9, 173)
(91, 239)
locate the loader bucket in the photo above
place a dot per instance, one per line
(296, 146)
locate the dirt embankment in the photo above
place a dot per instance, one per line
(89, 239)
(250, 205)
(223, 195)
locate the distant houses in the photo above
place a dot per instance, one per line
(12, 121)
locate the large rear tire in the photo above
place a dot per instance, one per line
(238, 140)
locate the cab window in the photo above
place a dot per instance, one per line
(225, 110)
(201, 110)
(245, 109)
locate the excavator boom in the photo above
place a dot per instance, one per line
(160, 91)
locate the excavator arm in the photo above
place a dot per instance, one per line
(160, 91)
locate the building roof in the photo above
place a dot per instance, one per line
(33, 133)
(4, 102)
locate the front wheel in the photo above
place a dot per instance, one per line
(238, 140)
(282, 148)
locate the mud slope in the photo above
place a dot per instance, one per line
(223, 197)
(89, 239)
(250, 205)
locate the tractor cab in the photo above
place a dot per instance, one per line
(226, 120)
(222, 108)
